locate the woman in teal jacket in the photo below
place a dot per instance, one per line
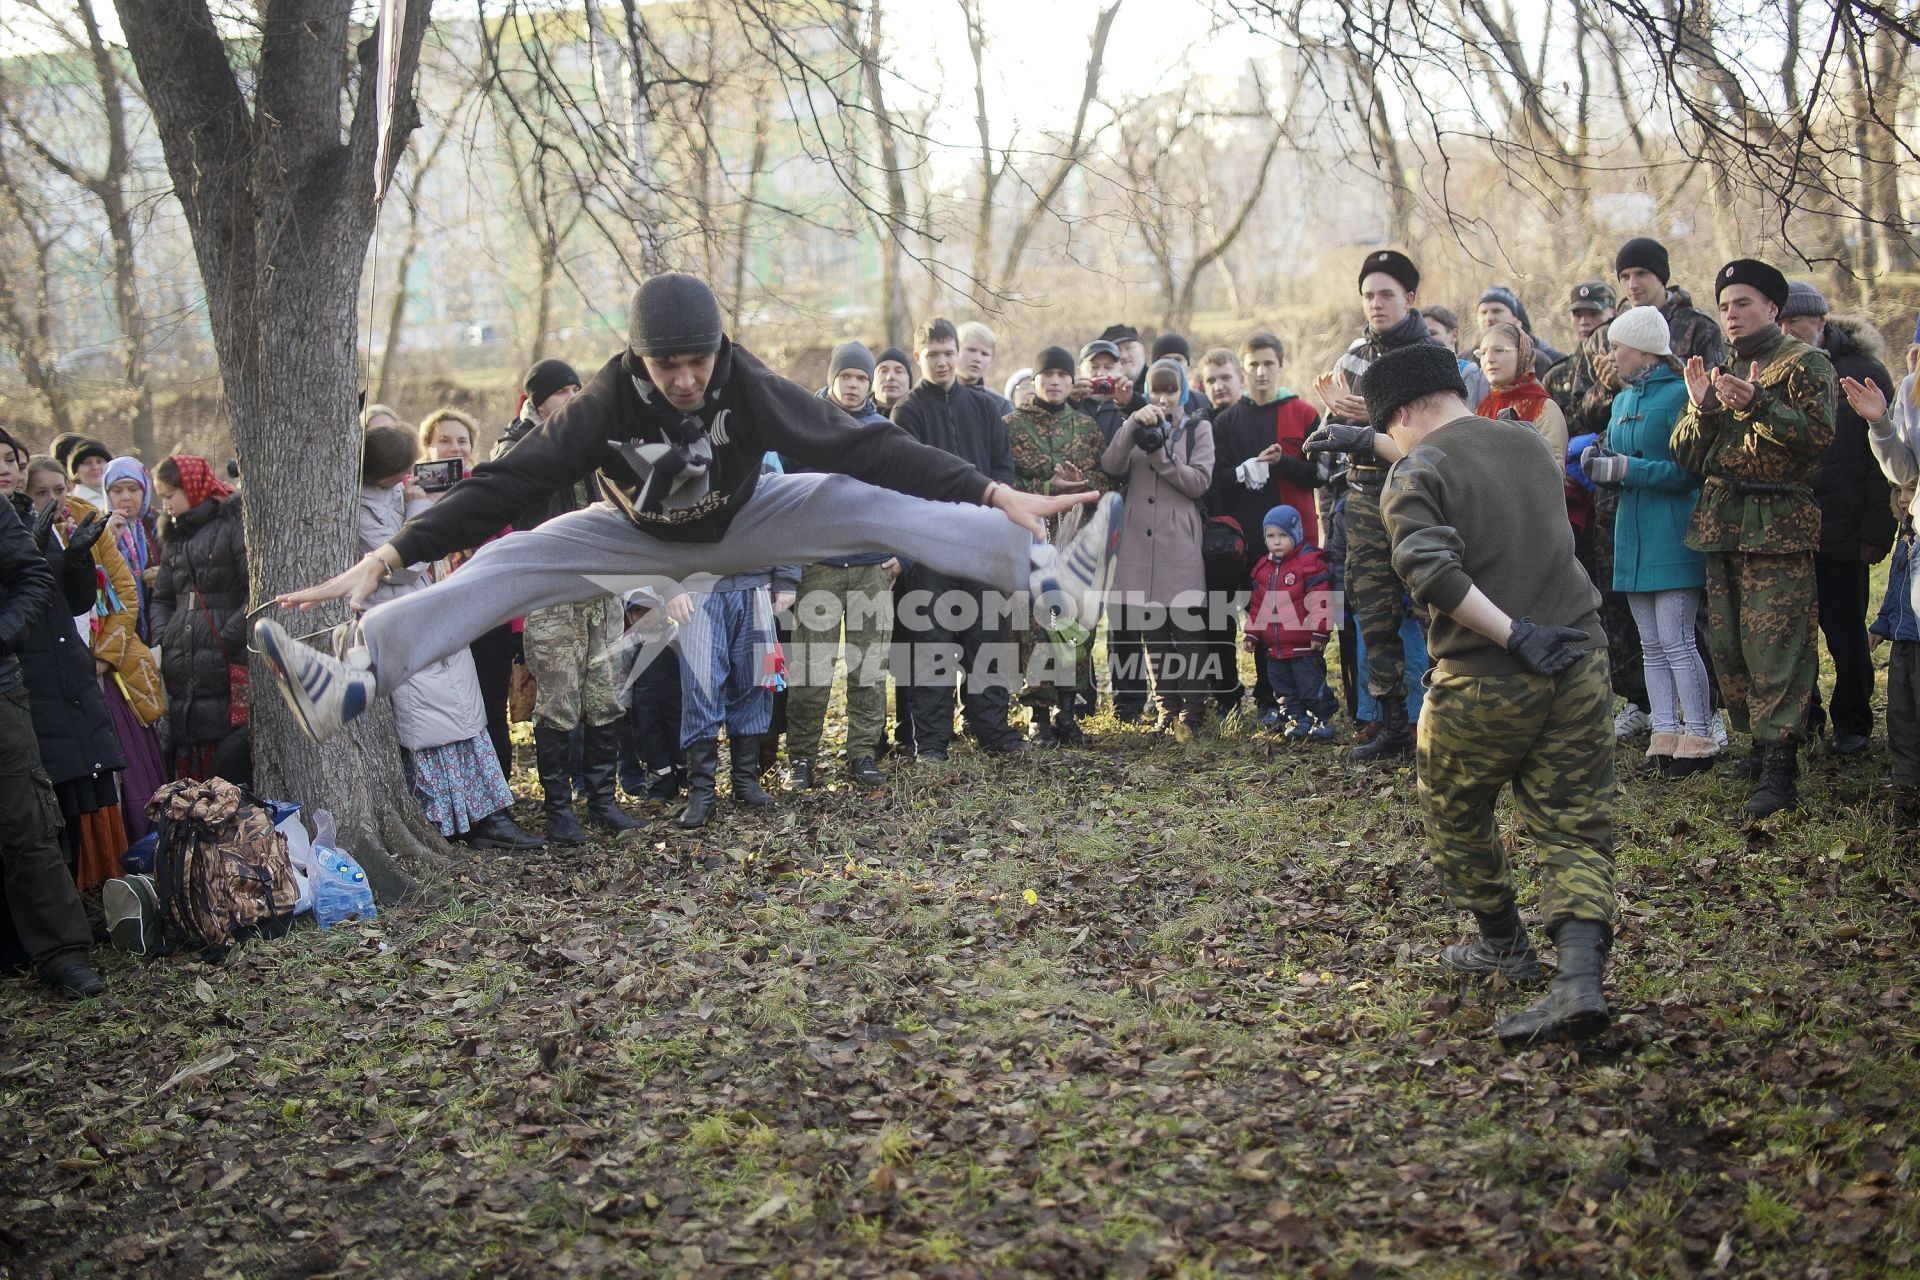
(1652, 565)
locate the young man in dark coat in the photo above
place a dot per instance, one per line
(674, 429)
(1389, 283)
(945, 413)
(48, 922)
(1856, 523)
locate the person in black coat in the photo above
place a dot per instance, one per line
(199, 608)
(949, 415)
(1856, 522)
(41, 920)
(79, 749)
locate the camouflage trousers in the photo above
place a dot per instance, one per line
(1552, 738)
(1376, 595)
(1761, 626)
(566, 652)
(858, 599)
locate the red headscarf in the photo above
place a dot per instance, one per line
(196, 479)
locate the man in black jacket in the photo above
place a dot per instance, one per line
(1856, 522)
(674, 430)
(39, 893)
(952, 619)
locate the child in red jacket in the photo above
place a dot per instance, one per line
(1288, 621)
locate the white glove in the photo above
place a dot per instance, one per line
(1253, 473)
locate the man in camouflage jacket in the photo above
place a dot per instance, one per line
(1757, 432)
(1056, 449)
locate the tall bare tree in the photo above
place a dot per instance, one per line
(270, 141)
(27, 245)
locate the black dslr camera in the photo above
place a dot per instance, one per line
(1151, 437)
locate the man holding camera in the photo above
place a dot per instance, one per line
(565, 647)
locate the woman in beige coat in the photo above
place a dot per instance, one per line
(1162, 456)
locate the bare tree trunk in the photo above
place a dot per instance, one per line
(990, 173)
(743, 227)
(26, 319)
(1892, 91)
(278, 197)
(893, 286)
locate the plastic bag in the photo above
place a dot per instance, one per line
(286, 820)
(340, 888)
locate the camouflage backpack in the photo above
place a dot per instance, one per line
(220, 869)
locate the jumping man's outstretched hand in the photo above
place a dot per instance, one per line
(354, 586)
(1030, 510)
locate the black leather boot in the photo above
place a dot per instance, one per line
(1755, 763)
(1502, 947)
(600, 763)
(703, 758)
(551, 749)
(745, 750)
(1778, 787)
(1575, 1005)
(499, 831)
(1395, 739)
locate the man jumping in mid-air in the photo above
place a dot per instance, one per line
(673, 430)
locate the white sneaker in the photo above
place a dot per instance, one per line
(323, 692)
(1074, 579)
(1631, 722)
(1719, 733)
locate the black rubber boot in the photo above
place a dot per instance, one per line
(1778, 787)
(703, 759)
(1575, 1006)
(499, 831)
(600, 763)
(1502, 948)
(551, 749)
(745, 748)
(1395, 739)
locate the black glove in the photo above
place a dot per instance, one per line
(1340, 437)
(1545, 651)
(80, 541)
(43, 524)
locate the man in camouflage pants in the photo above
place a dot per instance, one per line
(1056, 449)
(1389, 282)
(1757, 432)
(1518, 693)
(565, 647)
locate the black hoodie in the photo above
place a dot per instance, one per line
(748, 411)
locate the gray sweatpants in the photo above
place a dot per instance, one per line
(788, 520)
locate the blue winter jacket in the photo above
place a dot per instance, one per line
(1650, 551)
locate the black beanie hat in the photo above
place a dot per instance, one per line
(896, 355)
(1646, 254)
(1755, 274)
(673, 314)
(1171, 344)
(1119, 333)
(1394, 263)
(84, 449)
(1403, 376)
(1054, 358)
(546, 378)
(850, 355)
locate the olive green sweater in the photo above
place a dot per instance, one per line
(1479, 503)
